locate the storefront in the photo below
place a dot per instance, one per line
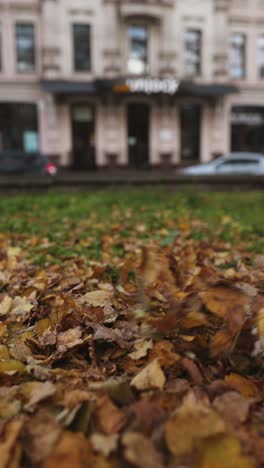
(19, 127)
(247, 129)
(137, 123)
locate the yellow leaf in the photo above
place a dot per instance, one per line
(11, 366)
(6, 305)
(222, 452)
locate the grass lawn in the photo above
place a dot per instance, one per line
(61, 225)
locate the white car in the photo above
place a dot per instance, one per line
(233, 163)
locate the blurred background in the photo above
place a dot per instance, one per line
(134, 84)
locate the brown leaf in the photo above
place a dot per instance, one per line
(72, 451)
(109, 418)
(245, 386)
(150, 377)
(9, 444)
(192, 422)
(164, 351)
(99, 298)
(141, 349)
(69, 339)
(220, 300)
(110, 335)
(140, 451)
(40, 436)
(233, 407)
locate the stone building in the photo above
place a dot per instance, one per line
(95, 83)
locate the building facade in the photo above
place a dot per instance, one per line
(129, 83)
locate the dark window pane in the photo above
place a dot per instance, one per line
(190, 132)
(82, 47)
(138, 49)
(192, 52)
(237, 54)
(1, 38)
(247, 129)
(25, 48)
(18, 127)
(260, 55)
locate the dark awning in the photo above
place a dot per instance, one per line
(69, 87)
(189, 88)
(122, 86)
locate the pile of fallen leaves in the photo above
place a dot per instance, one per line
(160, 368)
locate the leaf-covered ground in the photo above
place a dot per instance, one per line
(132, 330)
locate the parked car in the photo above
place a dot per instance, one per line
(233, 163)
(15, 162)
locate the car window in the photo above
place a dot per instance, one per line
(235, 162)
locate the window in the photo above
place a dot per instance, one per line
(192, 52)
(190, 116)
(25, 47)
(1, 65)
(260, 55)
(18, 127)
(138, 49)
(82, 47)
(237, 55)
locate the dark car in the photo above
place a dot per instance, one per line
(15, 162)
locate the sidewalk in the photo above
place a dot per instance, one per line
(121, 178)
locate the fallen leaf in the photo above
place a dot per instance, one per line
(99, 298)
(220, 300)
(40, 392)
(104, 444)
(233, 407)
(141, 349)
(9, 444)
(140, 451)
(109, 418)
(6, 305)
(69, 339)
(41, 435)
(192, 422)
(245, 386)
(72, 451)
(150, 377)
(164, 351)
(223, 452)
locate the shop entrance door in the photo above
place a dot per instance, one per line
(83, 134)
(138, 135)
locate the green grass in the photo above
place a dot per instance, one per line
(74, 224)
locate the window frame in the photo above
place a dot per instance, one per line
(146, 62)
(199, 56)
(34, 54)
(77, 69)
(242, 76)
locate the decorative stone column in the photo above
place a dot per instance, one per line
(50, 49)
(221, 45)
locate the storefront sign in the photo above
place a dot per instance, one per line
(247, 118)
(148, 86)
(153, 85)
